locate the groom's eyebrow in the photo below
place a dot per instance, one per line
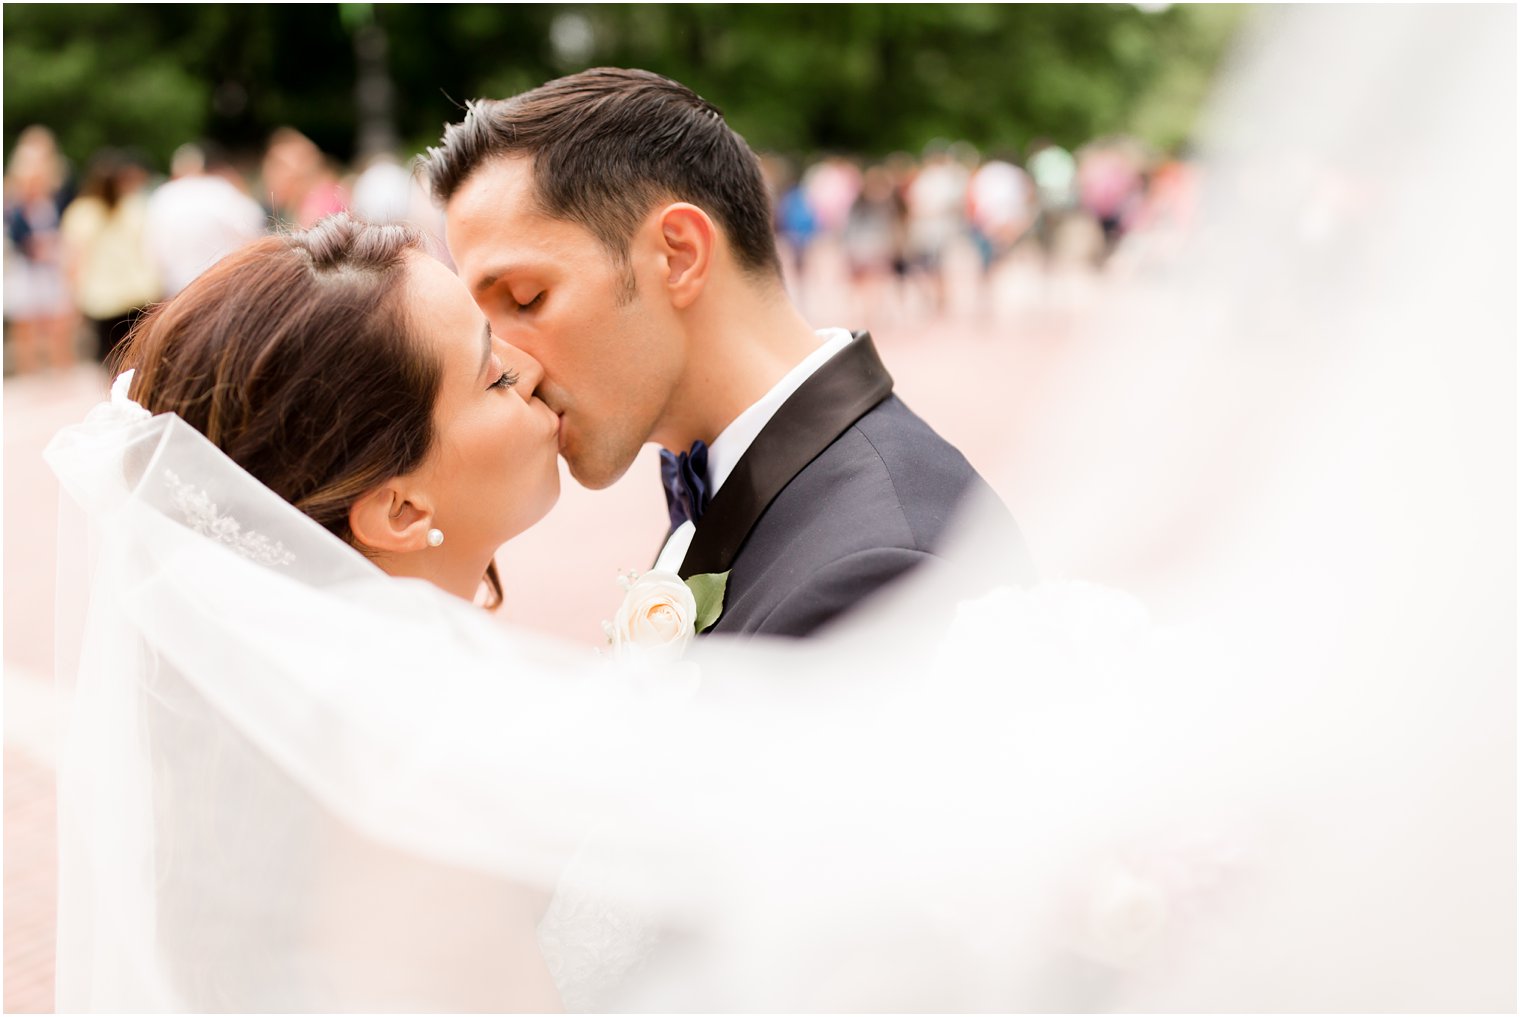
(493, 276)
(485, 339)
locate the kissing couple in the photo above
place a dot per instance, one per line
(618, 284)
(329, 406)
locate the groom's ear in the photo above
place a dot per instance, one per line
(688, 239)
(392, 518)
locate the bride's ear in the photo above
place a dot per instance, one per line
(391, 518)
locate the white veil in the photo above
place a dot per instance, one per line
(294, 783)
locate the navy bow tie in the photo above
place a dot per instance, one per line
(685, 478)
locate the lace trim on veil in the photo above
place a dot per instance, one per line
(200, 511)
(203, 517)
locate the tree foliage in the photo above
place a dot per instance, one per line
(866, 78)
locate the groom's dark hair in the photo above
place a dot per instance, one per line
(607, 145)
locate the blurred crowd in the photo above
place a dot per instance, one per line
(901, 225)
(87, 252)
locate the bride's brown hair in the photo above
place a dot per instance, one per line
(294, 356)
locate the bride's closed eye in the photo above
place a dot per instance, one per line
(508, 378)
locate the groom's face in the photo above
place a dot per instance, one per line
(608, 344)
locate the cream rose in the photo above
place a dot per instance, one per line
(658, 613)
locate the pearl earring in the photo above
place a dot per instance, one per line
(435, 537)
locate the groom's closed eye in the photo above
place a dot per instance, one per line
(530, 305)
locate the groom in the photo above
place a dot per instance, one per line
(613, 226)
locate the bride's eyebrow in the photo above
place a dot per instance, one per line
(485, 339)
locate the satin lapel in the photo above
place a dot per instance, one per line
(839, 393)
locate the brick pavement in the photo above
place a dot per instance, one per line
(34, 409)
(31, 876)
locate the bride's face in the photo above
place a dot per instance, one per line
(493, 469)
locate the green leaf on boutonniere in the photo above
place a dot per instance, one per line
(708, 590)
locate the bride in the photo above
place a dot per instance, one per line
(349, 372)
(305, 773)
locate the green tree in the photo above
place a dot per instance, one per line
(865, 78)
(99, 75)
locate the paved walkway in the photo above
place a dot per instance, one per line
(973, 372)
(34, 409)
(31, 874)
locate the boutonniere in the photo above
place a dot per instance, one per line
(661, 612)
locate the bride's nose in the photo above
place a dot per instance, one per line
(529, 371)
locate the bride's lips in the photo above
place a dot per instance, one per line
(557, 424)
(555, 419)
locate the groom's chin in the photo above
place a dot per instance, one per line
(592, 475)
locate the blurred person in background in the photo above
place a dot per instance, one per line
(199, 216)
(1054, 173)
(1110, 186)
(901, 168)
(105, 242)
(875, 234)
(38, 309)
(300, 185)
(1164, 218)
(1001, 205)
(832, 186)
(796, 225)
(1070, 237)
(382, 192)
(936, 219)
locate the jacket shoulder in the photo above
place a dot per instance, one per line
(869, 508)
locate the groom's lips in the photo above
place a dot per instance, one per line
(559, 419)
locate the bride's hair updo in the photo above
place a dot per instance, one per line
(295, 356)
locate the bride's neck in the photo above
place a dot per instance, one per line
(450, 573)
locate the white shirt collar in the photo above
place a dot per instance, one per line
(729, 447)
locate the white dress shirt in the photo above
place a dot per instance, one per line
(729, 447)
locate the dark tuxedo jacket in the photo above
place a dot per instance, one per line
(842, 492)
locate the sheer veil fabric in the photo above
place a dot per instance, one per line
(1278, 774)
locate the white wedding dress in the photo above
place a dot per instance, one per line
(1278, 777)
(591, 946)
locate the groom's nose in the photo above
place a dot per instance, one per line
(529, 371)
